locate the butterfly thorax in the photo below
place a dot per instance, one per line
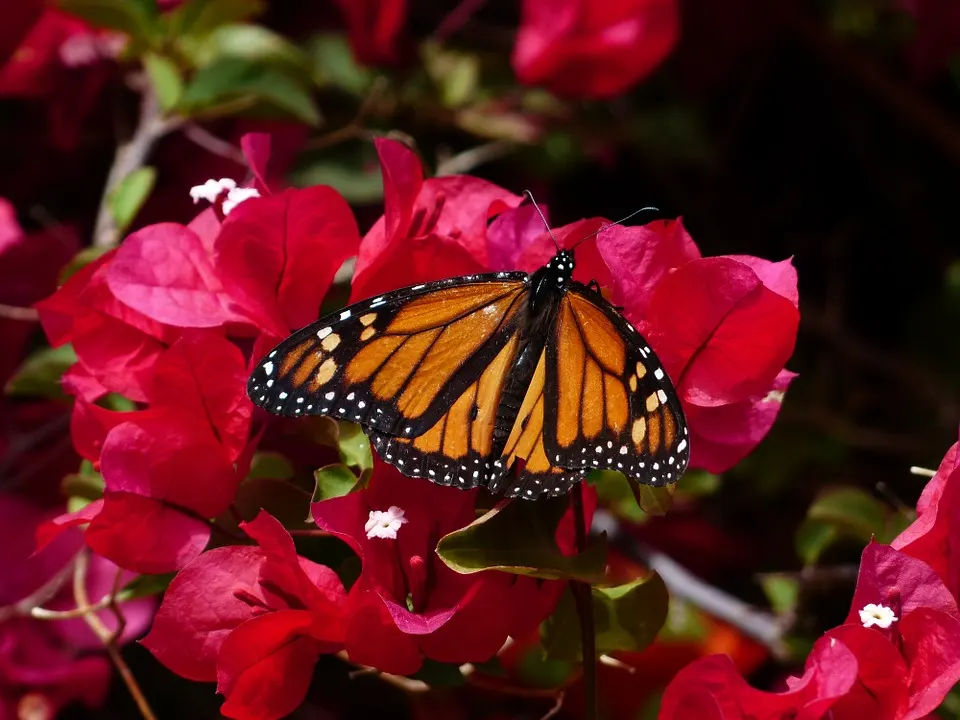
(552, 280)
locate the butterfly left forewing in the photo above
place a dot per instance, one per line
(385, 362)
(609, 401)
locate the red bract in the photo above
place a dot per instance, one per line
(169, 468)
(61, 59)
(407, 604)
(255, 619)
(723, 327)
(40, 666)
(934, 536)
(268, 267)
(29, 266)
(115, 345)
(374, 26)
(593, 49)
(899, 670)
(431, 229)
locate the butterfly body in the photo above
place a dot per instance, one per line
(520, 383)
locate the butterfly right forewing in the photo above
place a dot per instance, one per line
(612, 405)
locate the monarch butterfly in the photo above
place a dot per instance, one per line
(456, 380)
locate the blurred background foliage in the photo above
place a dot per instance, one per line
(825, 130)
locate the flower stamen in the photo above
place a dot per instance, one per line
(878, 615)
(385, 523)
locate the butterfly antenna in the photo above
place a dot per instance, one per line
(542, 217)
(618, 222)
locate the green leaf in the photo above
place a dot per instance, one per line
(332, 63)
(81, 260)
(200, 17)
(145, 586)
(851, 510)
(520, 537)
(653, 500)
(333, 481)
(456, 74)
(136, 18)
(536, 670)
(130, 194)
(626, 617)
(438, 674)
(253, 43)
(354, 446)
(349, 168)
(117, 403)
(232, 85)
(781, 590)
(41, 372)
(165, 78)
(82, 487)
(281, 498)
(270, 465)
(615, 491)
(813, 538)
(698, 483)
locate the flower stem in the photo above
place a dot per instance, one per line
(109, 639)
(583, 599)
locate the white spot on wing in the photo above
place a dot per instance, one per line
(268, 367)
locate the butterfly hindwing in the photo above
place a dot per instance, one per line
(609, 401)
(391, 362)
(459, 447)
(525, 445)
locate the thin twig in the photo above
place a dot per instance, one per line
(353, 129)
(753, 622)
(309, 533)
(44, 593)
(12, 312)
(557, 707)
(130, 156)
(39, 613)
(583, 599)
(109, 639)
(202, 137)
(468, 160)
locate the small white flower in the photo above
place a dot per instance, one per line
(211, 189)
(878, 615)
(237, 196)
(79, 50)
(385, 523)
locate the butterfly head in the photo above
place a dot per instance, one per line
(560, 268)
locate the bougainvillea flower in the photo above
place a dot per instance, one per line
(115, 345)
(899, 669)
(65, 61)
(254, 619)
(712, 689)
(407, 604)
(29, 266)
(40, 663)
(169, 468)
(934, 536)
(268, 267)
(927, 628)
(430, 229)
(374, 26)
(590, 49)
